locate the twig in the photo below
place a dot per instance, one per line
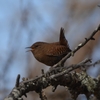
(73, 67)
(17, 80)
(61, 62)
(83, 62)
(42, 95)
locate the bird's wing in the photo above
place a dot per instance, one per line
(57, 51)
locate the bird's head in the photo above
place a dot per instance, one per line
(36, 46)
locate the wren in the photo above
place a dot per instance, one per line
(51, 53)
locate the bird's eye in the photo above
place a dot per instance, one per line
(36, 46)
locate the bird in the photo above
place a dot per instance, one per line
(51, 53)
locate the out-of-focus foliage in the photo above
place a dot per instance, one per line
(23, 22)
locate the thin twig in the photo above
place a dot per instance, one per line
(83, 62)
(73, 67)
(17, 80)
(42, 95)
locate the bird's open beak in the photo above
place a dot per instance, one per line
(30, 49)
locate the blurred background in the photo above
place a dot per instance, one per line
(23, 22)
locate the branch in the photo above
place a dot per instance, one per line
(61, 62)
(59, 76)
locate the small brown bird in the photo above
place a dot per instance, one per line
(51, 53)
